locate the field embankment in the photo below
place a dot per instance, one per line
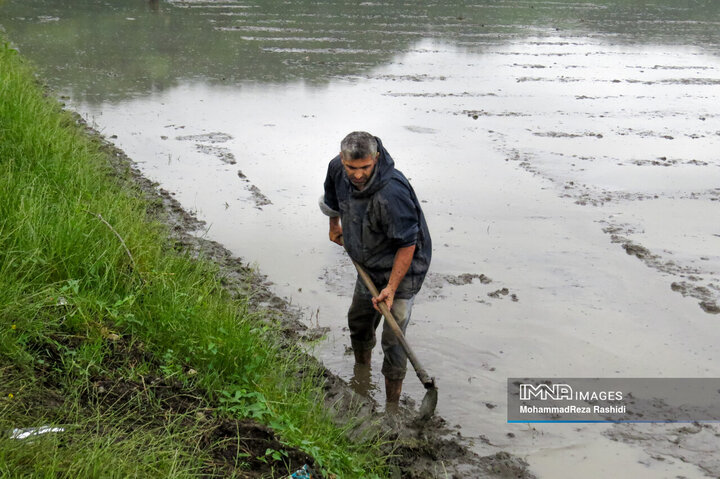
(147, 359)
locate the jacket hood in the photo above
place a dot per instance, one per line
(383, 172)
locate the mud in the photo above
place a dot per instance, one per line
(206, 143)
(419, 449)
(503, 292)
(214, 137)
(689, 286)
(223, 154)
(259, 198)
(693, 443)
(466, 278)
(589, 195)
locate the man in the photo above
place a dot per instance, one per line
(375, 214)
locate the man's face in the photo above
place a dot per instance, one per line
(359, 171)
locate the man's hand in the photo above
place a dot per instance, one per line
(336, 231)
(387, 295)
(401, 264)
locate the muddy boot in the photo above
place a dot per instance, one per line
(360, 382)
(363, 357)
(393, 390)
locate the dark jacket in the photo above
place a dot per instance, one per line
(380, 219)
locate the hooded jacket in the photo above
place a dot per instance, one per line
(378, 220)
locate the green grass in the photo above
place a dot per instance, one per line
(91, 450)
(69, 288)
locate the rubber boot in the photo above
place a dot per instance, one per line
(363, 357)
(393, 390)
(361, 380)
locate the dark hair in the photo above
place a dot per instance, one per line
(357, 145)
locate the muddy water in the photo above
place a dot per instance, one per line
(566, 154)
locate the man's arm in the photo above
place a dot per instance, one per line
(401, 265)
(328, 202)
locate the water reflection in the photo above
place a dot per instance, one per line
(102, 51)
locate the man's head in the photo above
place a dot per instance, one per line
(358, 152)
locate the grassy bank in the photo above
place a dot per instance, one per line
(127, 342)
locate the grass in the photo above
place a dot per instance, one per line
(85, 266)
(90, 450)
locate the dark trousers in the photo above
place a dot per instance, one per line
(363, 320)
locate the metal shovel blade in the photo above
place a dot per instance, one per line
(429, 403)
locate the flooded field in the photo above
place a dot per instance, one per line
(566, 153)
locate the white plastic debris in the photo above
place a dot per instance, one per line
(33, 431)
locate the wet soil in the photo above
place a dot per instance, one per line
(419, 449)
(674, 441)
(638, 183)
(691, 285)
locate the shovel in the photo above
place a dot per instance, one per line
(429, 402)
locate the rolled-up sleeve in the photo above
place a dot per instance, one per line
(327, 211)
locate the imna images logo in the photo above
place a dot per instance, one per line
(544, 392)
